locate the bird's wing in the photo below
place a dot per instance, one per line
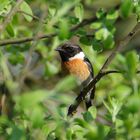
(86, 60)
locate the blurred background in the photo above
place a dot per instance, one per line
(35, 95)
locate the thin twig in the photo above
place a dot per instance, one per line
(83, 23)
(25, 39)
(101, 73)
(115, 71)
(48, 36)
(33, 16)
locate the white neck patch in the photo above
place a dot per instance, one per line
(80, 55)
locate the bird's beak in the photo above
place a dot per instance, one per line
(59, 49)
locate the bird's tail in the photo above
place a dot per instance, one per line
(89, 97)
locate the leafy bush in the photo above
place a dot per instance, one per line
(38, 94)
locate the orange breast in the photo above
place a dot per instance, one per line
(77, 68)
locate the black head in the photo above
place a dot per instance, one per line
(68, 50)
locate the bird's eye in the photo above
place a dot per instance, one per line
(69, 49)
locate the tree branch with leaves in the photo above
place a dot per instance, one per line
(102, 72)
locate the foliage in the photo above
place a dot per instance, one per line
(38, 94)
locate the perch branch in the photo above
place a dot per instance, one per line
(101, 72)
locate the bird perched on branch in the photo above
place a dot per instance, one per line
(75, 63)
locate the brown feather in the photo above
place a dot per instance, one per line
(78, 68)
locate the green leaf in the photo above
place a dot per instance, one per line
(126, 8)
(50, 69)
(69, 134)
(87, 116)
(90, 114)
(108, 107)
(64, 29)
(85, 40)
(114, 106)
(102, 34)
(52, 11)
(136, 9)
(5, 6)
(63, 84)
(97, 46)
(81, 122)
(100, 13)
(81, 32)
(73, 20)
(85, 125)
(93, 111)
(109, 42)
(96, 25)
(3, 121)
(133, 103)
(79, 11)
(112, 15)
(62, 110)
(132, 61)
(17, 133)
(37, 116)
(10, 30)
(26, 8)
(29, 100)
(15, 59)
(3, 3)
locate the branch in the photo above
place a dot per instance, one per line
(83, 23)
(48, 36)
(115, 71)
(10, 15)
(101, 73)
(33, 16)
(25, 39)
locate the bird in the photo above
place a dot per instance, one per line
(74, 62)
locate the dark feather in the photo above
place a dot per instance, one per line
(90, 94)
(86, 60)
